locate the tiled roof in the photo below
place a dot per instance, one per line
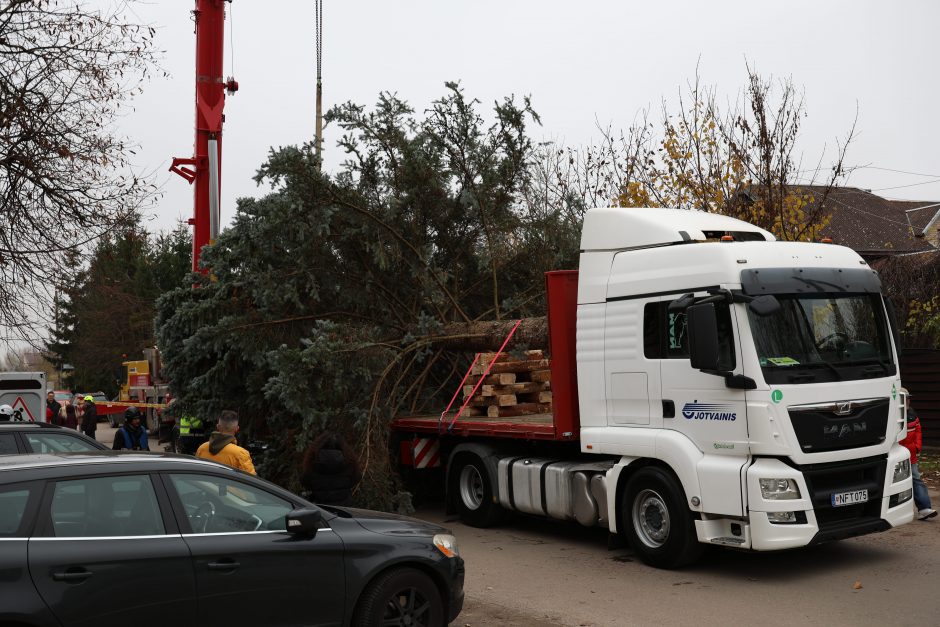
(874, 225)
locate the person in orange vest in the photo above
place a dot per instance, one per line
(223, 448)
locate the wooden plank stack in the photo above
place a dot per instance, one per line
(514, 386)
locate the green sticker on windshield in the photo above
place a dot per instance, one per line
(783, 361)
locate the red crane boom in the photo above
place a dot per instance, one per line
(203, 169)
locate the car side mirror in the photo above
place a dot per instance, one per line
(703, 336)
(304, 521)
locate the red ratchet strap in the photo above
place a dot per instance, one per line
(480, 382)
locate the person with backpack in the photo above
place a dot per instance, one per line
(132, 436)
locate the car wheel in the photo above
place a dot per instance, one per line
(657, 521)
(403, 596)
(472, 491)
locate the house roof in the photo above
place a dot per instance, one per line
(872, 225)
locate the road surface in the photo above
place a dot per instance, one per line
(537, 573)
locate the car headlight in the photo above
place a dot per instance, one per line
(446, 544)
(779, 489)
(902, 470)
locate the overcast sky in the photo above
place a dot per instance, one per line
(582, 62)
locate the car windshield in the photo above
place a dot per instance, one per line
(823, 337)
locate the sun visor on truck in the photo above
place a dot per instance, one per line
(809, 280)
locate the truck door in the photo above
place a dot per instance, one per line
(712, 415)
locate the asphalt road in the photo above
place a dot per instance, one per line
(537, 573)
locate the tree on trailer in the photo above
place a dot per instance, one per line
(709, 386)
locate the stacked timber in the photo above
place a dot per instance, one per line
(512, 386)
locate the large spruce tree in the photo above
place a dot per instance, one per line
(323, 296)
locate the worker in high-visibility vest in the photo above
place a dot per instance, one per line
(192, 433)
(188, 423)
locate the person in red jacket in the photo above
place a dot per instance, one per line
(914, 443)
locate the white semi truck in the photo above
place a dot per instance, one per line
(711, 386)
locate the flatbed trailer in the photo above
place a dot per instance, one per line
(562, 424)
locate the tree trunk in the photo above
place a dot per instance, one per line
(488, 335)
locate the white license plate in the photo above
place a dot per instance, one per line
(849, 498)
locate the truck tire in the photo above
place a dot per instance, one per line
(472, 491)
(657, 521)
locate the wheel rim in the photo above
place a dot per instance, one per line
(407, 608)
(471, 487)
(651, 518)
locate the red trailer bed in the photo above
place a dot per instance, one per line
(563, 424)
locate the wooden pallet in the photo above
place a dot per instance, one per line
(516, 385)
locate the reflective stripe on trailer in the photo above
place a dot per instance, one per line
(426, 452)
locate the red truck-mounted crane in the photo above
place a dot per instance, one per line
(203, 169)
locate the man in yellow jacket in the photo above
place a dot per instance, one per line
(222, 448)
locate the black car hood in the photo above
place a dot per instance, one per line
(387, 524)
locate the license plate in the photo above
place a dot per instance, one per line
(849, 498)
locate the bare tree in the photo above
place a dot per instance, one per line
(65, 173)
(761, 135)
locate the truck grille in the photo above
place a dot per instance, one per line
(824, 480)
(840, 426)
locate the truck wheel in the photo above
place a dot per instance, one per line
(657, 520)
(403, 596)
(471, 489)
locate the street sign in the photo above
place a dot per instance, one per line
(19, 405)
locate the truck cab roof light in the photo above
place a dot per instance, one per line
(826, 240)
(727, 238)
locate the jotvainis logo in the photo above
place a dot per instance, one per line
(708, 411)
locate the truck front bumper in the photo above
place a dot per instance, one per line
(815, 517)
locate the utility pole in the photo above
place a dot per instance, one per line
(318, 8)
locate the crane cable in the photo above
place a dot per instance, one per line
(318, 9)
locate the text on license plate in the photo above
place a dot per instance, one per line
(849, 498)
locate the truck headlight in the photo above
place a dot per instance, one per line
(779, 489)
(446, 544)
(902, 470)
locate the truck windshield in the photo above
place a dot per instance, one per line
(823, 337)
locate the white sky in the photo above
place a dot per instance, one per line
(582, 63)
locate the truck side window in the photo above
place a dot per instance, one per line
(665, 334)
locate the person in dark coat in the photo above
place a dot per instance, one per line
(53, 408)
(131, 436)
(90, 418)
(330, 470)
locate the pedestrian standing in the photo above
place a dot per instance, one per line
(71, 416)
(52, 408)
(222, 446)
(914, 443)
(330, 470)
(89, 417)
(131, 436)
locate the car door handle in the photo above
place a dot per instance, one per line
(226, 564)
(72, 576)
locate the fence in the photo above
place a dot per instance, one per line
(920, 373)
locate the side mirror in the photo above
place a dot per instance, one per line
(304, 521)
(703, 336)
(766, 305)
